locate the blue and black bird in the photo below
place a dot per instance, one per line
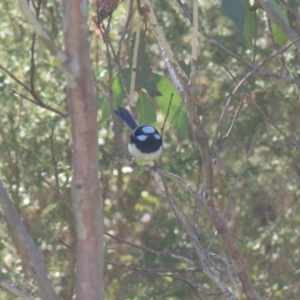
(145, 141)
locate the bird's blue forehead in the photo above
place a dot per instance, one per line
(148, 129)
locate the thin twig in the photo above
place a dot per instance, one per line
(59, 195)
(15, 78)
(196, 216)
(229, 269)
(183, 220)
(187, 186)
(54, 160)
(293, 142)
(134, 62)
(60, 240)
(56, 188)
(157, 272)
(40, 103)
(23, 96)
(32, 64)
(232, 54)
(239, 85)
(110, 95)
(264, 114)
(158, 253)
(125, 29)
(44, 37)
(224, 138)
(271, 13)
(117, 62)
(32, 50)
(291, 9)
(233, 189)
(194, 43)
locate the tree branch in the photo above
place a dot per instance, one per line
(208, 186)
(26, 246)
(39, 30)
(291, 34)
(234, 55)
(13, 289)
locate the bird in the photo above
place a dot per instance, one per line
(145, 141)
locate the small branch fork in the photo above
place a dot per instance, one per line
(35, 98)
(67, 67)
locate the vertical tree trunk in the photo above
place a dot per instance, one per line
(85, 183)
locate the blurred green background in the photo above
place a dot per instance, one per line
(263, 211)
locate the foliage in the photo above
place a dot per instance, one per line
(256, 172)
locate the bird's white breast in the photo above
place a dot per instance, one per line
(137, 154)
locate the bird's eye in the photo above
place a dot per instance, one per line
(148, 129)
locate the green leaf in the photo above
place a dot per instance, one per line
(100, 101)
(279, 36)
(280, 11)
(177, 114)
(117, 87)
(145, 109)
(106, 112)
(249, 28)
(236, 11)
(144, 77)
(118, 95)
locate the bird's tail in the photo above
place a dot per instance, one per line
(126, 117)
